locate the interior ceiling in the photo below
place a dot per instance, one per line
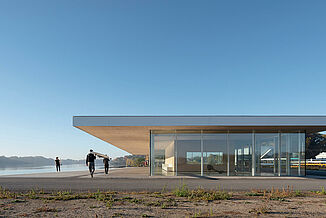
(135, 139)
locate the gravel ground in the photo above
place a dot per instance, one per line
(182, 202)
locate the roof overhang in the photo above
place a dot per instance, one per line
(132, 133)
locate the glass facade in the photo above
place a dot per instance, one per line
(240, 154)
(217, 153)
(215, 156)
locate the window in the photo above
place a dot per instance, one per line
(209, 157)
(213, 158)
(193, 157)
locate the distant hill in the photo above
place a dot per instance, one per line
(35, 161)
(32, 161)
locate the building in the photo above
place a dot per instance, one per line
(320, 156)
(210, 145)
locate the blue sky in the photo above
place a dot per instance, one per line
(64, 58)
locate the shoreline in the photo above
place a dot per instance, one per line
(48, 170)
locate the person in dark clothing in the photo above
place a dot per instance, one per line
(57, 164)
(90, 162)
(106, 165)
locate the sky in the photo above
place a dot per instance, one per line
(60, 59)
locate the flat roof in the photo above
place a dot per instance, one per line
(132, 133)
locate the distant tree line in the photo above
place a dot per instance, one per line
(135, 161)
(32, 161)
(35, 161)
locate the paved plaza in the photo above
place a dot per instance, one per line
(137, 179)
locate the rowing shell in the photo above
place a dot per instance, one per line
(101, 155)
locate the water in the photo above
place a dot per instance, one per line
(44, 169)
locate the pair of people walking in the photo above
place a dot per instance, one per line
(90, 162)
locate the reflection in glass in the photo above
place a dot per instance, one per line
(266, 153)
(188, 154)
(240, 151)
(232, 154)
(292, 154)
(193, 157)
(163, 146)
(215, 154)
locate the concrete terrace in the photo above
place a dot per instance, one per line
(137, 179)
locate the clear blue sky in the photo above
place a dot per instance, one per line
(65, 58)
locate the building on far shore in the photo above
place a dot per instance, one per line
(210, 145)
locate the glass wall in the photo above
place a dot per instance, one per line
(215, 156)
(213, 153)
(240, 154)
(266, 154)
(292, 154)
(188, 153)
(163, 157)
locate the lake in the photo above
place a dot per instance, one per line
(44, 169)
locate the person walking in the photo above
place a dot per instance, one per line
(106, 165)
(57, 164)
(90, 162)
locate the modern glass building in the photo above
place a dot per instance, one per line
(211, 145)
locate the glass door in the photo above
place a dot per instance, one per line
(267, 154)
(240, 154)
